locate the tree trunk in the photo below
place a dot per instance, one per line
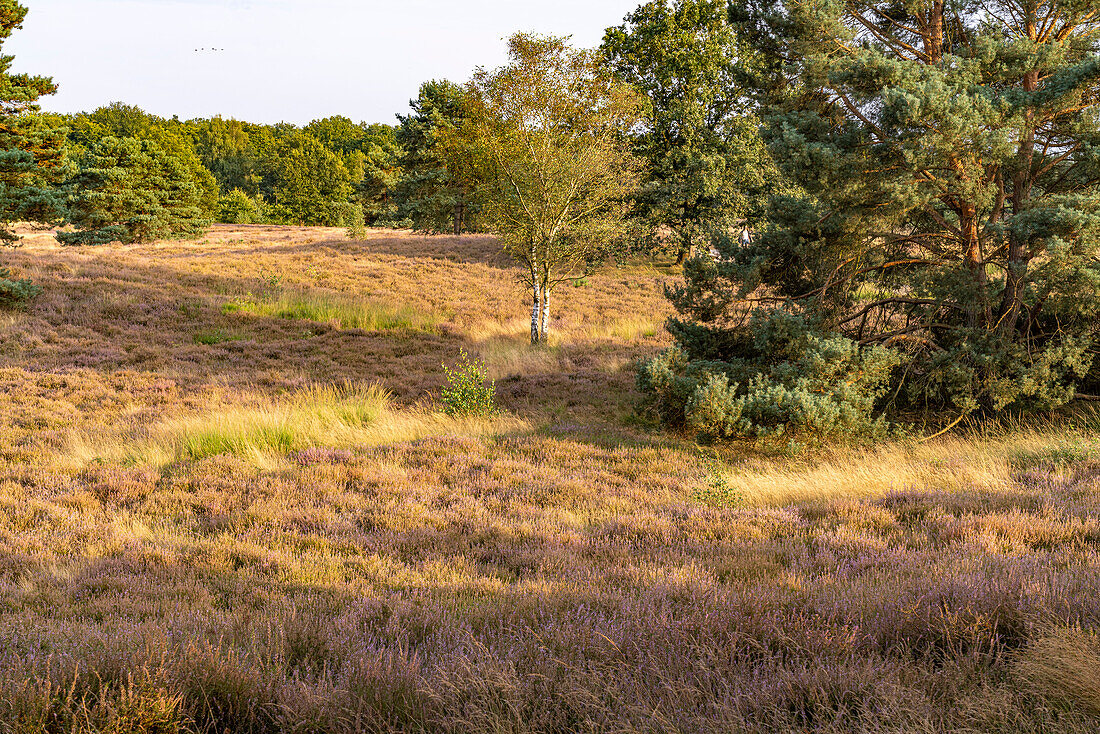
(1019, 248)
(544, 337)
(979, 313)
(535, 312)
(458, 220)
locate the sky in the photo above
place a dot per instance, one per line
(279, 60)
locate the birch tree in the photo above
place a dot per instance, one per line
(544, 145)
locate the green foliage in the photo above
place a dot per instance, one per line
(543, 149)
(311, 183)
(944, 163)
(227, 149)
(172, 137)
(32, 155)
(468, 391)
(707, 166)
(129, 190)
(237, 207)
(215, 336)
(787, 378)
(357, 228)
(426, 194)
(16, 293)
(719, 491)
(382, 155)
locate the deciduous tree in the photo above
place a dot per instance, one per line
(707, 167)
(544, 145)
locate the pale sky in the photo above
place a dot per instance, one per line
(279, 60)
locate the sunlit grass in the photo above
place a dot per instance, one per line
(506, 349)
(629, 328)
(329, 416)
(338, 309)
(971, 463)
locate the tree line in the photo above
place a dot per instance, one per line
(882, 209)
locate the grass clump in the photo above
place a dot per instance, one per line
(314, 417)
(215, 336)
(468, 391)
(340, 310)
(1064, 666)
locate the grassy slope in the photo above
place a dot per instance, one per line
(212, 519)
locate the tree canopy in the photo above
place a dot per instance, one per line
(428, 196)
(32, 155)
(707, 167)
(544, 146)
(129, 191)
(946, 155)
(31, 150)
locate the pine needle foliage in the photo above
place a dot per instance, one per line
(32, 156)
(947, 155)
(131, 191)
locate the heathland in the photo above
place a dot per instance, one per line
(229, 501)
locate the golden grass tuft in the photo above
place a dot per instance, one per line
(264, 431)
(847, 473)
(1063, 666)
(629, 329)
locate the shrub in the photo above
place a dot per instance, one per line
(789, 379)
(237, 207)
(469, 390)
(14, 293)
(354, 219)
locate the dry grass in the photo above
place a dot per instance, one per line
(1064, 666)
(842, 473)
(243, 522)
(265, 431)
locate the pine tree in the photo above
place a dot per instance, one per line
(173, 137)
(948, 157)
(31, 154)
(129, 191)
(426, 194)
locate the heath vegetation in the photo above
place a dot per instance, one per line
(809, 446)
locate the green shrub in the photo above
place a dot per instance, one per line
(15, 293)
(468, 391)
(237, 207)
(789, 379)
(355, 222)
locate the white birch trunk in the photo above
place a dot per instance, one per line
(535, 310)
(544, 337)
